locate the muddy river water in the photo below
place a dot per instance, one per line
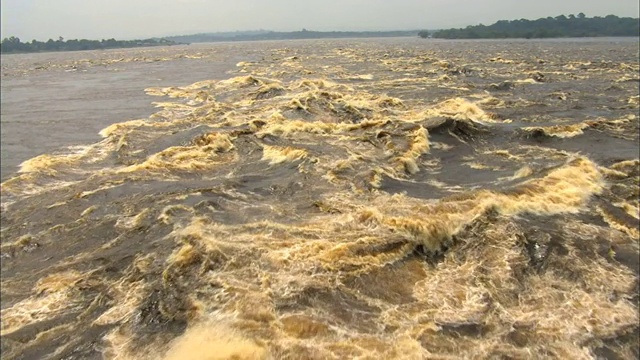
(330, 199)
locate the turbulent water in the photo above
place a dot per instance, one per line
(379, 199)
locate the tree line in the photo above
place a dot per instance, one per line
(550, 27)
(14, 45)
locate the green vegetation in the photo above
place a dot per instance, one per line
(14, 45)
(275, 35)
(560, 26)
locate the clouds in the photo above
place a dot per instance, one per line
(124, 19)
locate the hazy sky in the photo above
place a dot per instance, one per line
(126, 19)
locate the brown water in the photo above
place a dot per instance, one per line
(335, 199)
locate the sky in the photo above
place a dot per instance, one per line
(130, 19)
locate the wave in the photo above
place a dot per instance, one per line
(276, 215)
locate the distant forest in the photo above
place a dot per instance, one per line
(292, 35)
(550, 27)
(14, 45)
